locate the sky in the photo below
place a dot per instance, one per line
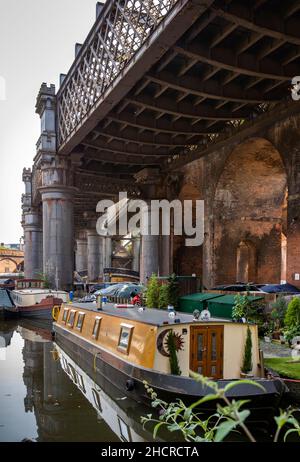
(37, 43)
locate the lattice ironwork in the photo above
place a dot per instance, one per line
(123, 28)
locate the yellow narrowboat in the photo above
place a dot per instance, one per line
(129, 346)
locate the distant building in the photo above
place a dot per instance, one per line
(11, 258)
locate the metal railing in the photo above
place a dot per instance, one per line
(119, 32)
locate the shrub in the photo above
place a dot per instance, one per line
(292, 316)
(174, 365)
(173, 291)
(163, 296)
(279, 311)
(247, 361)
(240, 306)
(293, 331)
(152, 293)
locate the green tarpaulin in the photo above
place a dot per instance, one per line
(220, 306)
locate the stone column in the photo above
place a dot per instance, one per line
(81, 259)
(95, 255)
(149, 262)
(33, 256)
(107, 252)
(136, 250)
(58, 235)
(165, 256)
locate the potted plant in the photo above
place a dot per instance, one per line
(246, 370)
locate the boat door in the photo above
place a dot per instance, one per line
(206, 351)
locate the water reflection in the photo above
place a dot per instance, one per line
(46, 396)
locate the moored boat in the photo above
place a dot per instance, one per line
(35, 302)
(130, 346)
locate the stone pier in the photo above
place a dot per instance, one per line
(81, 260)
(33, 255)
(58, 236)
(95, 255)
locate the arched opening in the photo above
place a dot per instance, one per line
(8, 265)
(246, 262)
(249, 214)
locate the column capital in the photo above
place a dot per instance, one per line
(56, 171)
(32, 220)
(58, 192)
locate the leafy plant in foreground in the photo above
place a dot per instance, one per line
(188, 420)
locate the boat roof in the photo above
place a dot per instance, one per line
(37, 291)
(148, 316)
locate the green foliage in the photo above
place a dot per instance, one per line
(247, 361)
(173, 289)
(244, 308)
(292, 316)
(240, 308)
(293, 331)
(163, 296)
(278, 312)
(44, 277)
(174, 365)
(189, 422)
(152, 293)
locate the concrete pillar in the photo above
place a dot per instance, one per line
(107, 252)
(81, 260)
(149, 262)
(95, 255)
(136, 250)
(58, 235)
(33, 255)
(165, 256)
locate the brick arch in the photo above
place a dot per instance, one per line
(12, 260)
(249, 207)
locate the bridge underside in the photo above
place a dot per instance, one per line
(211, 80)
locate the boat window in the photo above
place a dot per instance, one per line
(72, 318)
(124, 431)
(65, 315)
(96, 329)
(73, 374)
(81, 383)
(125, 338)
(97, 400)
(80, 320)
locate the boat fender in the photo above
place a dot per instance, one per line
(130, 385)
(53, 335)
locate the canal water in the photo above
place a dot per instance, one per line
(45, 396)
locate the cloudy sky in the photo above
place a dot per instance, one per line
(37, 39)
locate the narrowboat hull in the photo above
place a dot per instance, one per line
(293, 389)
(41, 310)
(130, 380)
